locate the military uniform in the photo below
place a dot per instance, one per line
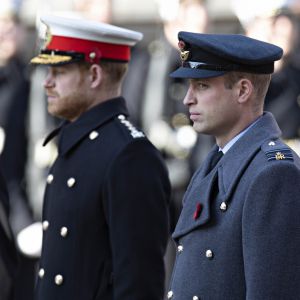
(105, 211)
(247, 225)
(105, 215)
(238, 233)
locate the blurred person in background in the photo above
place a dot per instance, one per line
(14, 95)
(278, 22)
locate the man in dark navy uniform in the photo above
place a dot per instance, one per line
(238, 233)
(105, 216)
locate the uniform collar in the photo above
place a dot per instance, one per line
(70, 133)
(237, 137)
(236, 160)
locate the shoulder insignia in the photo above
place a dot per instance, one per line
(277, 150)
(133, 131)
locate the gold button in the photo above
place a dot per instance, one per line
(223, 206)
(271, 143)
(41, 273)
(195, 298)
(209, 254)
(64, 231)
(170, 294)
(93, 135)
(180, 249)
(71, 182)
(50, 178)
(45, 225)
(58, 279)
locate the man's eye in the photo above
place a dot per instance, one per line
(202, 85)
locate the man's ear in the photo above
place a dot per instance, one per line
(95, 75)
(245, 88)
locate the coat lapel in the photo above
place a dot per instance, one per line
(196, 203)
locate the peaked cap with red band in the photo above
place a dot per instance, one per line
(71, 40)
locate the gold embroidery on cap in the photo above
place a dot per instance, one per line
(47, 38)
(46, 59)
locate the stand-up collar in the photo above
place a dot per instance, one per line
(70, 133)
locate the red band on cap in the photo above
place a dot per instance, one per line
(101, 50)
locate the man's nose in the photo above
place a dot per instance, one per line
(48, 81)
(189, 97)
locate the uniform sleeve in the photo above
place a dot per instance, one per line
(136, 197)
(271, 234)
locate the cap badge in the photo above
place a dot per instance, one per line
(47, 38)
(184, 55)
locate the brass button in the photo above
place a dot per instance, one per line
(41, 273)
(71, 182)
(223, 206)
(170, 294)
(45, 225)
(180, 249)
(50, 178)
(93, 135)
(271, 143)
(64, 231)
(58, 279)
(209, 254)
(195, 298)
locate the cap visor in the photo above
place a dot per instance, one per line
(195, 73)
(48, 59)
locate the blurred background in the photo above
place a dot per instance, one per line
(154, 99)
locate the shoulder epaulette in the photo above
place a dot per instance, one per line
(277, 150)
(133, 131)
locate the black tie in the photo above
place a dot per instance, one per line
(215, 158)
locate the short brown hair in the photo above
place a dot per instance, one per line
(115, 71)
(260, 82)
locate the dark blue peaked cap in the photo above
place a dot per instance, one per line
(212, 55)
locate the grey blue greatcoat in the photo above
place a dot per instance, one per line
(238, 236)
(105, 215)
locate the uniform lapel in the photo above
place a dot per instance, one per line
(196, 203)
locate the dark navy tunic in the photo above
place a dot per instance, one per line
(105, 215)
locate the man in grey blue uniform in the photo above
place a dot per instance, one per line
(105, 216)
(238, 235)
